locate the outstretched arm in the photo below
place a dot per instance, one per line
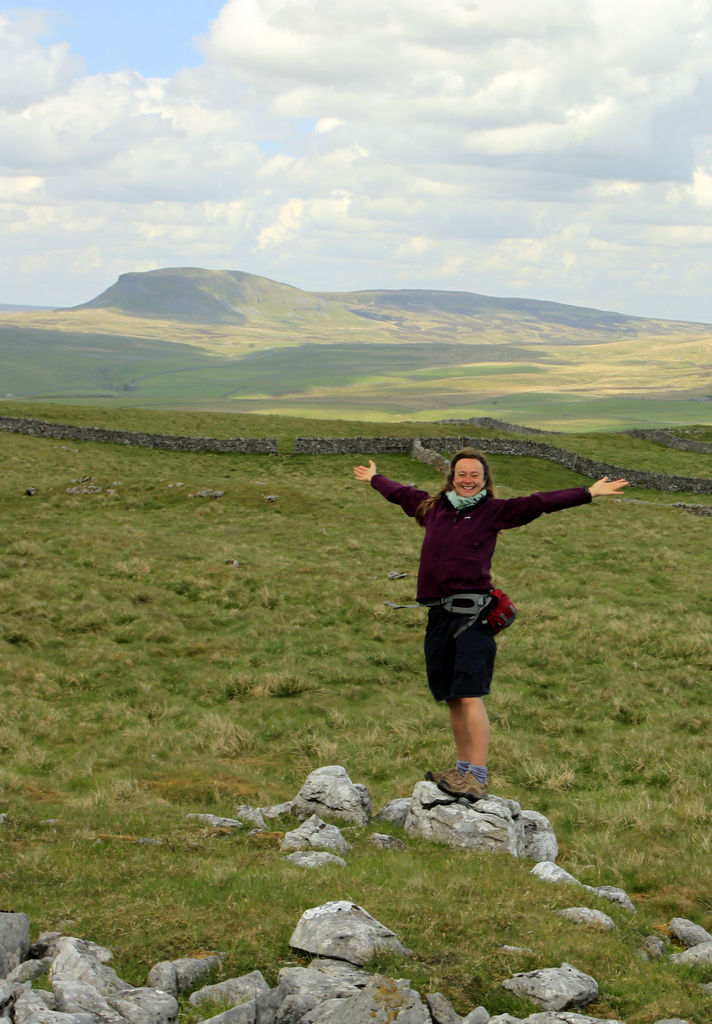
(365, 472)
(605, 486)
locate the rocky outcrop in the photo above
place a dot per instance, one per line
(493, 825)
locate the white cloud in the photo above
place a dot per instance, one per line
(542, 147)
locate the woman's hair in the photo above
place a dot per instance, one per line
(464, 453)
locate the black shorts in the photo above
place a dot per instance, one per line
(462, 666)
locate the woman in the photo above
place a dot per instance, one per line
(461, 525)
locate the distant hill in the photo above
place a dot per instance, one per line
(230, 340)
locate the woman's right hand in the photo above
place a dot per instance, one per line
(365, 472)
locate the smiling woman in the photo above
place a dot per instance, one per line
(156, 39)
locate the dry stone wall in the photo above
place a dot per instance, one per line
(428, 450)
(670, 440)
(171, 442)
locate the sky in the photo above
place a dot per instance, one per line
(536, 148)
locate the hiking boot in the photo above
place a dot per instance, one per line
(465, 785)
(437, 776)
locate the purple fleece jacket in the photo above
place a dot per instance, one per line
(456, 555)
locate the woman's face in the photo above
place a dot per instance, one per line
(468, 477)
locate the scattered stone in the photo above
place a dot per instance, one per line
(145, 1006)
(584, 915)
(341, 970)
(178, 976)
(270, 497)
(30, 969)
(395, 811)
(699, 954)
(653, 948)
(480, 1016)
(275, 810)
(493, 824)
(539, 841)
(14, 941)
(233, 991)
(30, 491)
(215, 820)
(206, 492)
(550, 1017)
(614, 894)
(442, 1010)
(315, 834)
(387, 842)
(554, 988)
(382, 1001)
(314, 858)
(4, 819)
(76, 958)
(547, 871)
(251, 814)
(688, 933)
(330, 792)
(344, 931)
(75, 996)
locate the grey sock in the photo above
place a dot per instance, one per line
(462, 767)
(480, 772)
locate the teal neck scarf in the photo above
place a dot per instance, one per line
(459, 502)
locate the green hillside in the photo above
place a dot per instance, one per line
(232, 341)
(164, 654)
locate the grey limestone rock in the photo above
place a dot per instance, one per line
(386, 842)
(234, 990)
(274, 810)
(315, 834)
(564, 1017)
(163, 977)
(30, 969)
(75, 996)
(441, 1009)
(310, 981)
(14, 941)
(585, 915)
(343, 930)
(395, 811)
(479, 1016)
(329, 792)
(76, 958)
(554, 988)
(688, 933)
(145, 1006)
(614, 895)
(538, 840)
(382, 1001)
(177, 976)
(34, 1007)
(314, 858)
(341, 970)
(215, 820)
(653, 948)
(699, 954)
(253, 815)
(493, 824)
(548, 871)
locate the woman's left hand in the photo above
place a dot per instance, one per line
(605, 486)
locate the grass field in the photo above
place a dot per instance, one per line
(146, 676)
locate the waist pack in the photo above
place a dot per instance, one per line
(501, 613)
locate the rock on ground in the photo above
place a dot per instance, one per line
(344, 931)
(555, 988)
(329, 792)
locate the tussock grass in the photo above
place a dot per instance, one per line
(147, 676)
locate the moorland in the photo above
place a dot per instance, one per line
(235, 342)
(163, 654)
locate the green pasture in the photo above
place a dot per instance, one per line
(164, 654)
